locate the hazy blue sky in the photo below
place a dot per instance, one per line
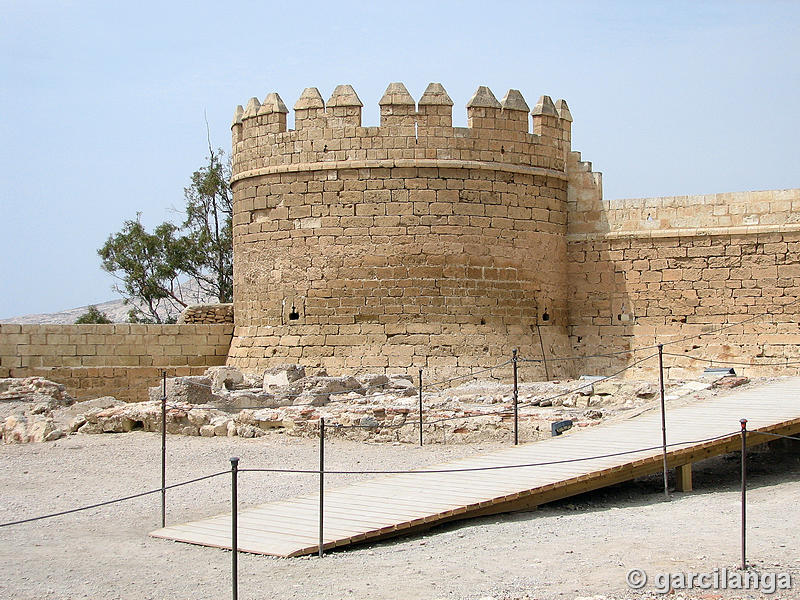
(102, 103)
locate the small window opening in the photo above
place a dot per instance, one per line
(502, 149)
(545, 315)
(294, 315)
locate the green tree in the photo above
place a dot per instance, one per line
(151, 266)
(93, 315)
(148, 266)
(209, 217)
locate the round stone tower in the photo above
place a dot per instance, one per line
(412, 244)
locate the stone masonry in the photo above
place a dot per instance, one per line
(206, 313)
(119, 359)
(412, 244)
(419, 244)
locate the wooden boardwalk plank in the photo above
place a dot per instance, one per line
(394, 503)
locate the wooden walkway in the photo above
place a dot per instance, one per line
(397, 504)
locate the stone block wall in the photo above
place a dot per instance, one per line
(770, 210)
(723, 265)
(117, 359)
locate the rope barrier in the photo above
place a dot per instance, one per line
(777, 435)
(500, 413)
(114, 501)
(376, 472)
(591, 383)
(585, 356)
(456, 378)
(733, 362)
(492, 414)
(494, 467)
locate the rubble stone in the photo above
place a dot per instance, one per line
(194, 389)
(225, 378)
(282, 375)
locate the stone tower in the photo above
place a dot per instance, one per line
(412, 244)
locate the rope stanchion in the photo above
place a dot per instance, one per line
(321, 546)
(663, 416)
(163, 449)
(516, 398)
(234, 528)
(420, 408)
(743, 423)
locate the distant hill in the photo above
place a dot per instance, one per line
(116, 310)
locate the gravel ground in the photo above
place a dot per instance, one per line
(579, 547)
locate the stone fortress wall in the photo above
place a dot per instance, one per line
(419, 244)
(656, 270)
(412, 244)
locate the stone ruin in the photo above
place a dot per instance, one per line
(285, 399)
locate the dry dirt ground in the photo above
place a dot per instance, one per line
(580, 547)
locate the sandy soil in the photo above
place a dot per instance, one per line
(580, 547)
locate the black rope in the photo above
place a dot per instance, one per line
(107, 502)
(383, 472)
(585, 356)
(495, 467)
(778, 435)
(590, 383)
(478, 372)
(722, 361)
(506, 408)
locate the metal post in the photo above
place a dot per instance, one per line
(234, 529)
(743, 423)
(516, 397)
(420, 407)
(163, 449)
(663, 416)
(544, 356)
(321, 549)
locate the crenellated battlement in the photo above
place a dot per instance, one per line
(413, 242)
(498, 133)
